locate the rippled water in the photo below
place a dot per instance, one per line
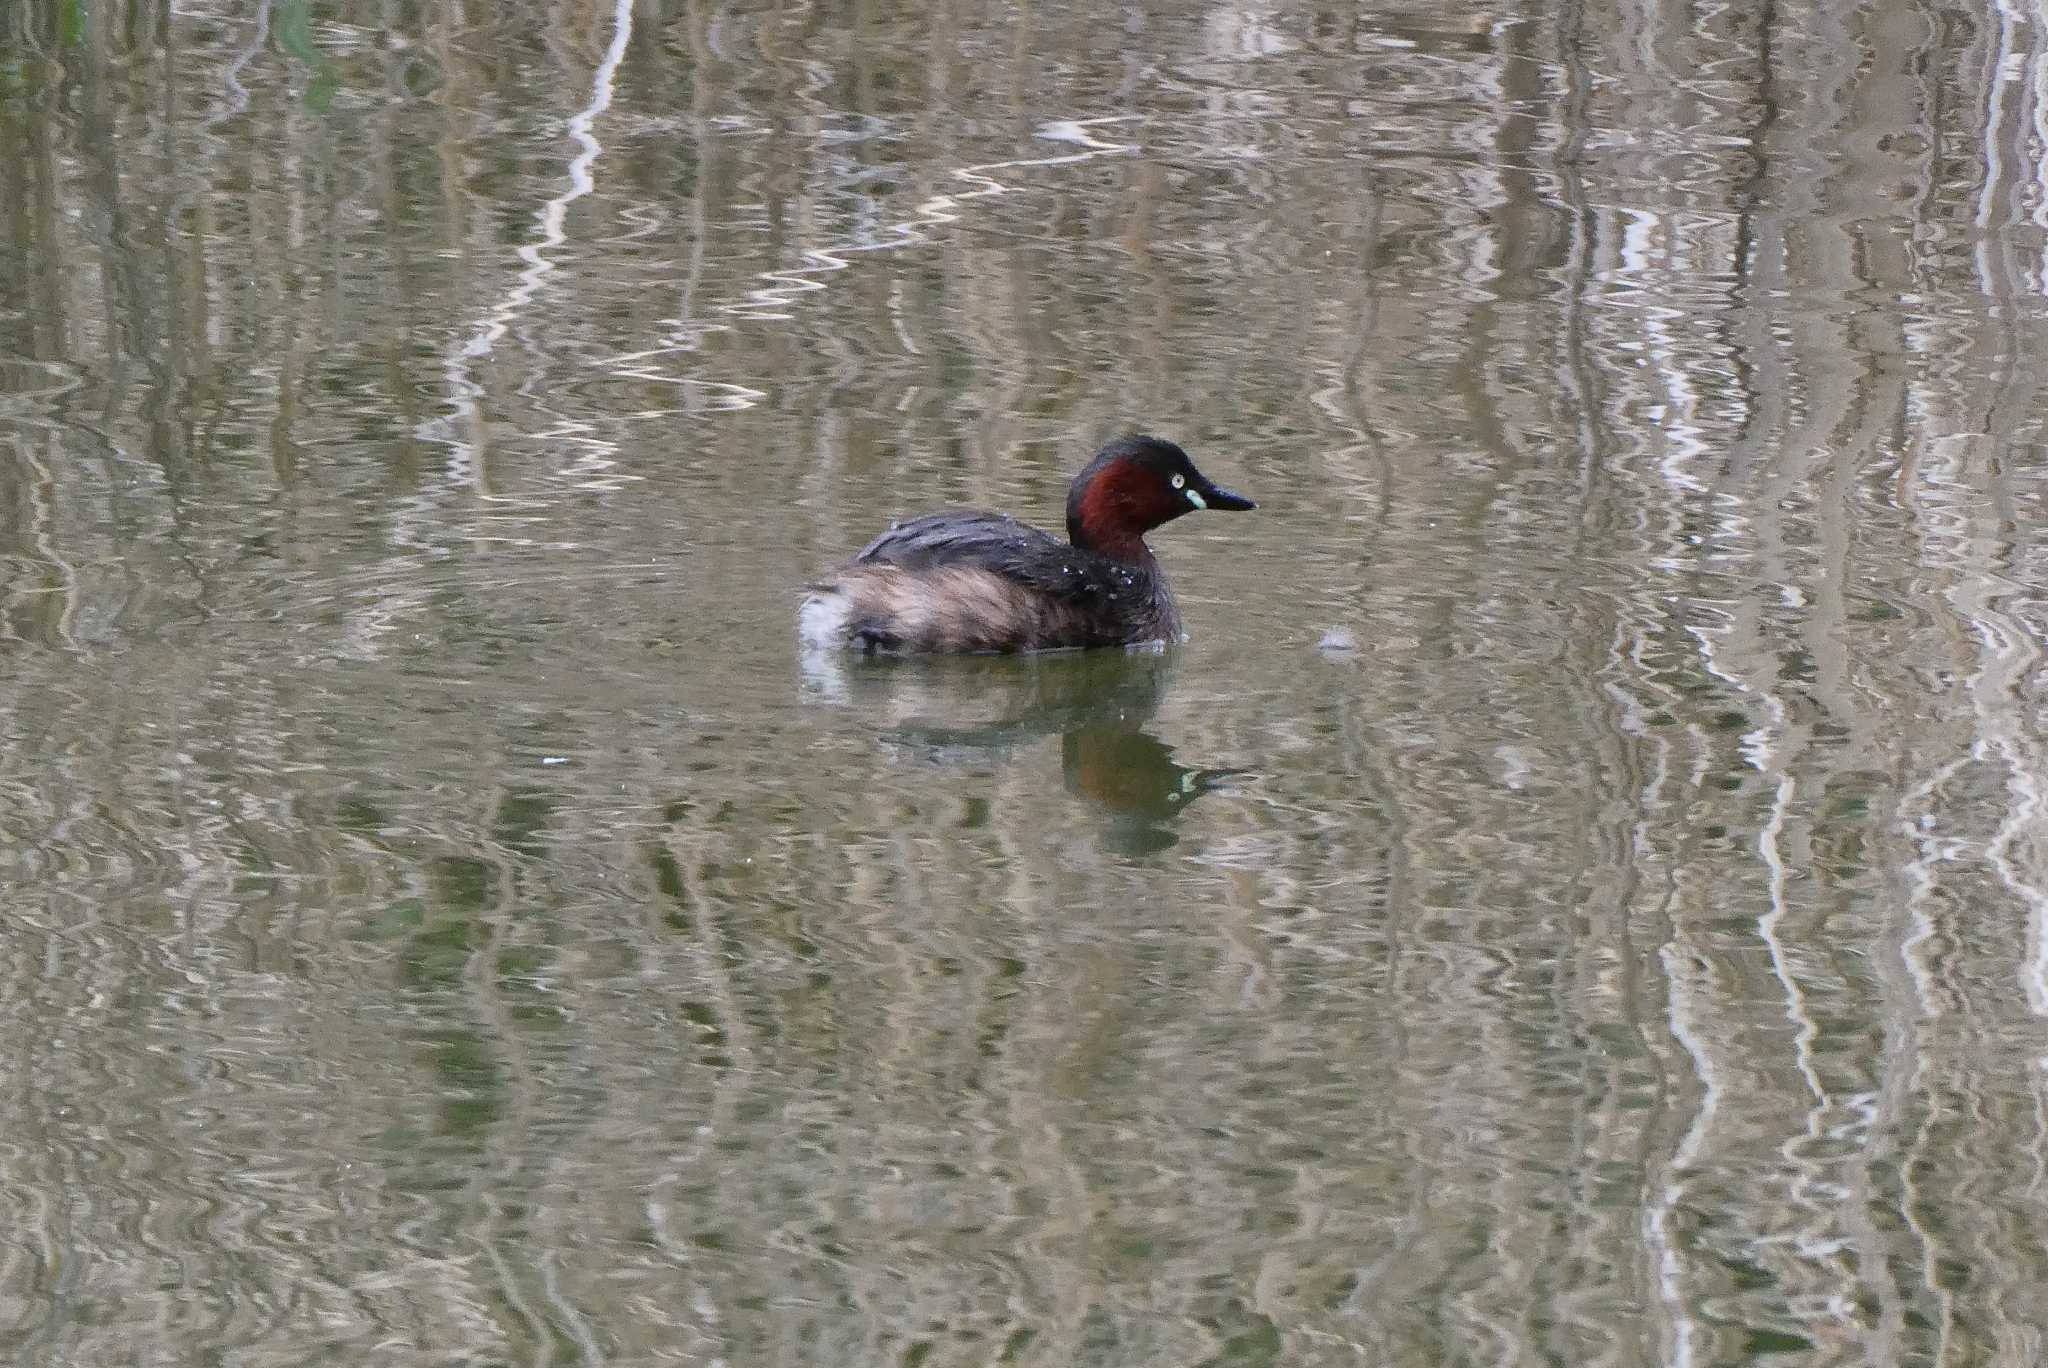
(1580, 896)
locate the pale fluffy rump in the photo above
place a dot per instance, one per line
(955, 608)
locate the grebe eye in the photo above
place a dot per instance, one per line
(1179, 481)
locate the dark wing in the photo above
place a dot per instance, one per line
(942, 539)
(992, 542)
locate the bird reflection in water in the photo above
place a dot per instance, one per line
(970, 709)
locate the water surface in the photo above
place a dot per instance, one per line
(1579, 897)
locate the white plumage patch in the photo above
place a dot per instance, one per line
(821, 620)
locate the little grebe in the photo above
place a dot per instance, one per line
(986, 582)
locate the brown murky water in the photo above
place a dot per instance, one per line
(1580, 896)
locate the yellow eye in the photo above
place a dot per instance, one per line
(1179, 480)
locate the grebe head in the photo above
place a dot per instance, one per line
(1133, 485)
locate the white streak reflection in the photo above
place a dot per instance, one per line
(463, 389)
(774, 300)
